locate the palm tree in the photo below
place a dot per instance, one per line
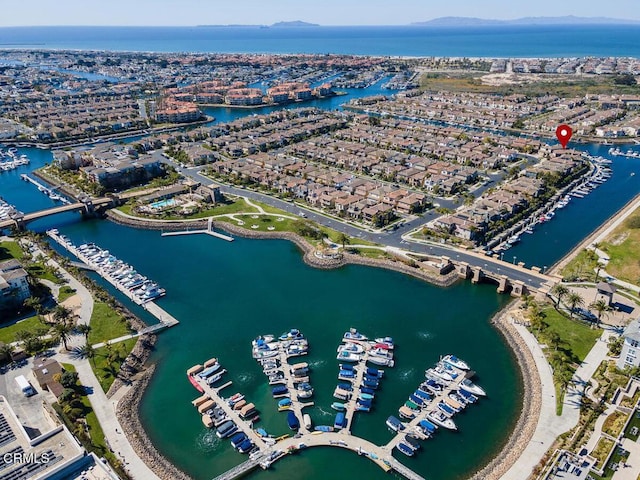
(35, 304)
(84, 329)
(560, 291)
(601, 307)
(574, 300)
(344, 239)
(63, 332)
(62, 314)
(6, 349)
(86, 351)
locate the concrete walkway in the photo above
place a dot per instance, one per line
(551, 425)
(102, 406)
(632, 469)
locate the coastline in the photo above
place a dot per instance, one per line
(502, 461)
(527, 421)
(307, 249)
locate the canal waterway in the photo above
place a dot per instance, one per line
(225, 294)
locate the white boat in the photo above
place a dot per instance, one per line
(349, 357)
(440, 419)
(382, 361)
(306, 420)
(439, 373)
(388, 341)
(353, 334)
(468, 386)
(351, 348)
(455, 362)
(380, 352)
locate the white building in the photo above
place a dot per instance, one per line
(630, 356)
(14, 285)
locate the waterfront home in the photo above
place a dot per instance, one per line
(14, 285)
(630, 355)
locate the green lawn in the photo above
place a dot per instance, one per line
(100, 365)
(106, 324)
(9, 250)
(8, 333)
(635, 422)
(236, 206)
(65, 292)
(40, 270)
(578, 337)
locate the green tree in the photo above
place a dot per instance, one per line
(574, 300)
(84, 329)
(69, 379)
(87, 351)
(601, 307)
(344, 239)
(559, 291)
(63, 331)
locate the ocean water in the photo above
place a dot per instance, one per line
(488, 41)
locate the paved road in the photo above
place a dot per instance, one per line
(392, 238)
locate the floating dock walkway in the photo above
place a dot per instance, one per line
(209, 231)
(166, 320)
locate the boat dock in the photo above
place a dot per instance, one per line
(428, 409)
(48, 191)
(241, 470)
(208, 231)
(166, 319)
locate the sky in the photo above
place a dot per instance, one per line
(266, 12)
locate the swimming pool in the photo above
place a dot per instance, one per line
(169, 202)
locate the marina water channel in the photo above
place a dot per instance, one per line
(227, 293)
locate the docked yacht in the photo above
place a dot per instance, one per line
(455, 362)
(468, 386)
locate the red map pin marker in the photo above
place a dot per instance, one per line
(563, 132)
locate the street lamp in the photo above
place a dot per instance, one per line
(501, 255)
(514, 259)
(544, 268)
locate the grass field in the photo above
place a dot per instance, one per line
(31, 324)
(65, 292)
(9, 250)
(578, 338)
(106, 324)
(104, 372)
(623, 248)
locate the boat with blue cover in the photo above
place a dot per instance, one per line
(293, 334)
(374, 372)
(353, 334)
(370, 391)
(340, 421)
(246, 446)
(207, 372)
(416, 400)
(346, 366)
(227, 429)
(446, 409)
(292, 420)
(341, 407)
(285, 402)
(365, 396)
(408, 451)
(469, 397)
(370, 383)
(428, 426)
(345, 386)
(411, 442)
(237, 439)
(262, 432)
(279, 390)
(324, 428)
(423, 395)
(395, 424)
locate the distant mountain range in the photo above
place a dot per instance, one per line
(568, 20)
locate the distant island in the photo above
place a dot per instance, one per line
(567, 20)
(295, 23)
